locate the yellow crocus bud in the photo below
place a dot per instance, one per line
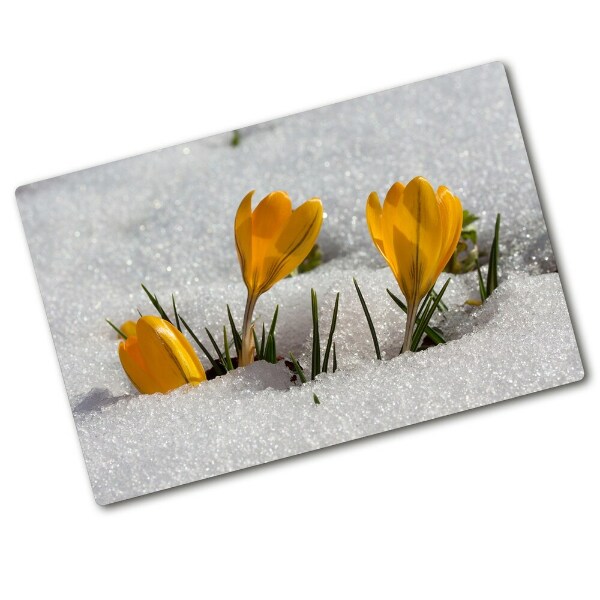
(128, 328)
(416, 231)
(271, 242)
(158, 358)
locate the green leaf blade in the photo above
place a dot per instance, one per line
(492, 278)
(228, 361)
(263, 341)
(177, 324)
(423, 322)
(270, 350)
(298, 368)
(216, 347)
(431, 333)
(219, 370)
(259, 354)
(154, 300)
(369, 320)
(237, 338)
(331, 332)
(335, 364)
(116, 329)
(482, 288)
(316, 342)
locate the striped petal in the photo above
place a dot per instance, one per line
(451, 214)
(243, 236)
(269, 220)
(167, 354)
(295, 241)
(415, 238)
(135, 367)
(374, 215)
(270, 217)
(390, 223)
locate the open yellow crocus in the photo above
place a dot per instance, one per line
(416, 231)
(271, 242)
(157, 357)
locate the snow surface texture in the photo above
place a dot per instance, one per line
(166, 219)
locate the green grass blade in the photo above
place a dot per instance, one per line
(426, 317)
(489, 282)
(274, 321)
(424, 321)
(442, 306)
(335, 366)
(424, 309)
(177, 324)
(259, 354)
(228, 362)
(431, 333)
(237, 338)
(270, 350)
(482, 290)
(331, 331)
(116, 329)
(417, 335)
(316, 399)
(369, 320)
(298, 369)
(492, 278)
(263, 340)
(397, 300)
(430, 297)
(434, 335)
(424, 303)
(219, 370)
(274, 345)
(216, 347)
(316, 343)
(156, 304)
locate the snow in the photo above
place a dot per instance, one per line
(166, 219)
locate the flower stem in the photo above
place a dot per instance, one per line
(247, 354)
(411, 315)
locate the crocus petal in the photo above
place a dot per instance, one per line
(389, 223)
(194, 371)
(167, 354)
(243, 236)
(374, 215)
(415, 238)
(269, 220)
(271, 216)
(135, 367)
(295, 241)
(128, 328)
(451, 214)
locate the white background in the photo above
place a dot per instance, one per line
(501, 502)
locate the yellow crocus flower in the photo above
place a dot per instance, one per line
(158, 358)
(271, 242)
(416, 231)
